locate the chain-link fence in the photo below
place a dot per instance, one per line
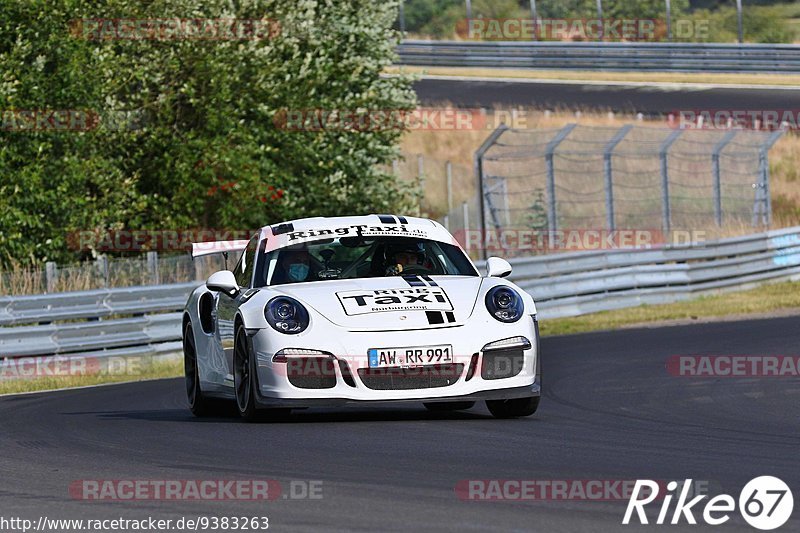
(628, 178)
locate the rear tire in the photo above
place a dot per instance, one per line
(438, 407)
(513, 408)
(199, 405)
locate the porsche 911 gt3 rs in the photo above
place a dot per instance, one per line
(331, 311)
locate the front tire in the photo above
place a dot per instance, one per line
(199, 405)
(245, 383)
(438, 407)
(513, 408)
(243, 377)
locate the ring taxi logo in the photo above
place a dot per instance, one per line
(765, 503)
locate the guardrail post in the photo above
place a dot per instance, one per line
(552, 219)
(663, 151)
(763, 186)
(609, 181)
(51, 274)
(478, 163)
(152, 268)
(716, 174)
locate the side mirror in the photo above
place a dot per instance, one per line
(224, 282)
(497, 267)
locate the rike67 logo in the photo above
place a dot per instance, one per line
(765, 503)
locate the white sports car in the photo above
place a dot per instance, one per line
(329, 311)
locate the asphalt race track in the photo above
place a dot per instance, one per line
(611, 411)
(649, 100)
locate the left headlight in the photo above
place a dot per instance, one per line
(504, 303)
(286, 315)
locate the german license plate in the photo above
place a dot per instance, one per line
(410, 357)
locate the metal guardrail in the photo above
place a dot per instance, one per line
(573, 284)
(121, 322)
(99, 323)
(678, 57)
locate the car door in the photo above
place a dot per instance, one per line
(227, 306)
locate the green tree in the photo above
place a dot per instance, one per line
(202, 147)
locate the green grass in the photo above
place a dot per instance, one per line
(583, 75)
(762, 300)
(156, 370)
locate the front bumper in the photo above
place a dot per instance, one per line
(275, 389)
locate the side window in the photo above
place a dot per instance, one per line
(244, 268)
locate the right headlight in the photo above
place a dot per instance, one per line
(504, 303)
(286, 315)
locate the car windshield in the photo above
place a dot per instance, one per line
(360, 257)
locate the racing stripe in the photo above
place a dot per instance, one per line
(429, 281)
(387, 219)
(450, 316)
(414, 281)
(403, 220)
(435, 317)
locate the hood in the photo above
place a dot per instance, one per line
(390, 303)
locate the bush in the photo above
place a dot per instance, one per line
(203, 149)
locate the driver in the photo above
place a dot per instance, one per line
(295, 265)
(400, 256)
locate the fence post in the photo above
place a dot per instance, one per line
(402, 16)
(715, 170)
(102, 267)
(478, 164)
(448, 168)
(669, 20)
(152, 268)
(552, 220)
(739, 25)
(198, 271)
(609, 179)
(665, 203)
(421, 170)
(469, 9)
(534, 18)
(764, 186)
(600, 19)
(51, 274)
(465, 212)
